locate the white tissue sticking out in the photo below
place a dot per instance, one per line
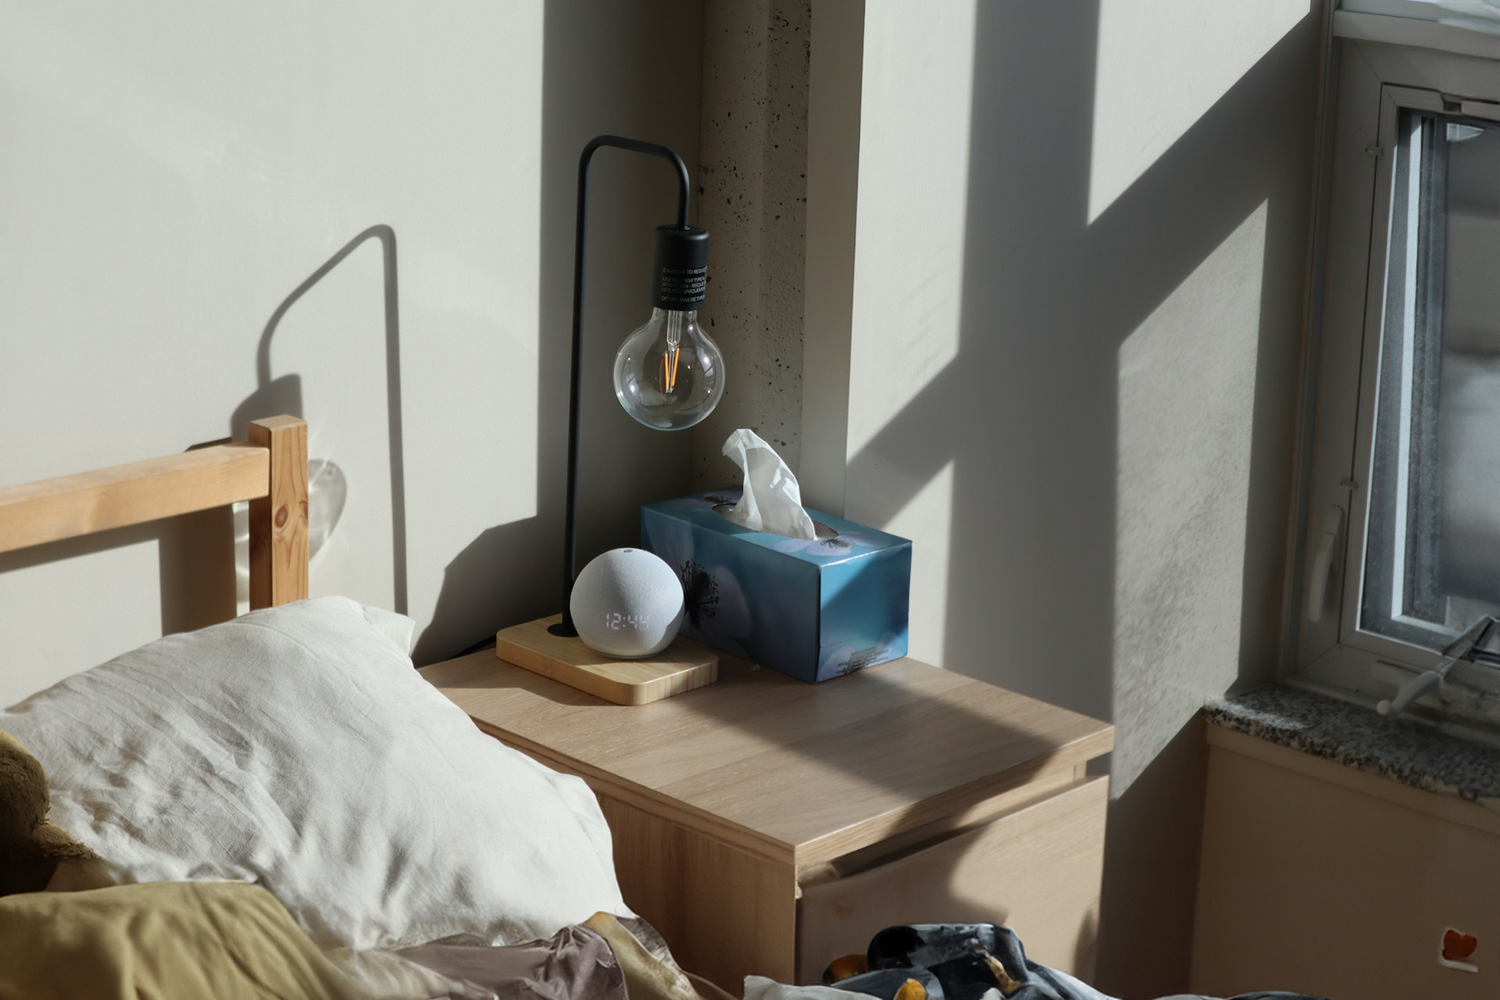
(772, 500)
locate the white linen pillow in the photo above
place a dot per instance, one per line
(297, 748)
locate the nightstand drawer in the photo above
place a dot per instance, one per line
(1037, 870)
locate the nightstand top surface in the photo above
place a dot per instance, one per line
(810, 771)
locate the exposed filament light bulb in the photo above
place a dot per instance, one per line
(669, 373)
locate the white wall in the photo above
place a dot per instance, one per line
(173, 172)
(1076, 316)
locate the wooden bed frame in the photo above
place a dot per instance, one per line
(269, 470)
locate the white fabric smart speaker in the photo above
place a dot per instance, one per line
(627, 603)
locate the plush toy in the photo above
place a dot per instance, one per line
(33, 852)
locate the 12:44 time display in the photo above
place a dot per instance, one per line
(617, 621)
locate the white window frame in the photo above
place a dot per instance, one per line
(1375, 80)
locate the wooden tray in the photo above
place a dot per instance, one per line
(683, 666)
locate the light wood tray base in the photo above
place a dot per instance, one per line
(682, 666)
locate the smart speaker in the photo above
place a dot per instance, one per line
(627, 603)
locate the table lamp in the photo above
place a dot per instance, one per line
(668, 375)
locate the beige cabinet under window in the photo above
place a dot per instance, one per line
(1336, 882)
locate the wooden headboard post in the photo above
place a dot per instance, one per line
(269, 470)
(278, 520)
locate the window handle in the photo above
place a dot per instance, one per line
(1410, 692)
(1461, 648)
(1322, 563)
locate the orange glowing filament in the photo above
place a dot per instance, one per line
(669, 361)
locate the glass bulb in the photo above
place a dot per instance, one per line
(669, 374)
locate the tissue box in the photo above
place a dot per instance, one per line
(812, 609)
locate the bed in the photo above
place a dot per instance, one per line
(279, 805)
(296, 753)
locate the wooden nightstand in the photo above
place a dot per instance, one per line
(766, 826)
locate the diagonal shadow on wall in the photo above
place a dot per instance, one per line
(1027, 413)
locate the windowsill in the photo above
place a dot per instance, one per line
(1403, 750)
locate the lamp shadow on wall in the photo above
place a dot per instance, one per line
(196, 567)
(1049, 302)
(283, 395)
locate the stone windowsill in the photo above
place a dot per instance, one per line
(1403, 750)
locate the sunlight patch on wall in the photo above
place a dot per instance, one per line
(1186, 406)
(1159, 67)
(913, 205)
(927, 519)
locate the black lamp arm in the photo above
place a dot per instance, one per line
(684, 184)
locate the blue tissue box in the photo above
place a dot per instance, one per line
(812, 609)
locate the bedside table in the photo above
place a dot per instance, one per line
(764, 825)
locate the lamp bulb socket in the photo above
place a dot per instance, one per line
(680, 268)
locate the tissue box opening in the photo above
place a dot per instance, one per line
(814, 609)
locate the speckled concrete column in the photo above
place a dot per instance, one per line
(752, 177)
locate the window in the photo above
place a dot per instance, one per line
(1402, 548)
(1432, 534)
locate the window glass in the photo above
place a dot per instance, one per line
(1433, 547)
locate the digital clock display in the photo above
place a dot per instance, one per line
(617, 621)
